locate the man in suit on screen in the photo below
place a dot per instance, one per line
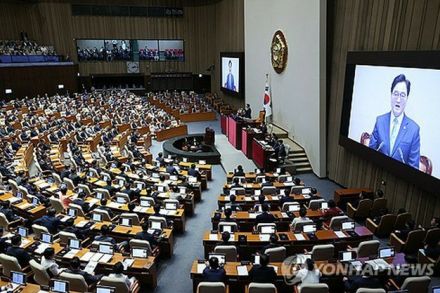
(230, 83)
(395, 134)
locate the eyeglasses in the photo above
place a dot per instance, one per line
(396, 94)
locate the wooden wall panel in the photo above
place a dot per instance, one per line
(16, 18)
(377, 25)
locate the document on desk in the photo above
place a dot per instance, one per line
(114, 205)
(90, 267)
(200, 268)
(340, 234)
(41, 248)
(299, 236)
(93, 200)
(252, 215)
(24, 242)
(378, 264)
(357, 265)
(128, 262)
(227, 198)
(97, 256)
(64, 219)
(163, 212)
(288, 183)
(71, 254)
(25, 206)
(140, 209)
(106, 258)
(213, 237)
(13, 200)
(306, 196)
(284, 215)
(81, 224)
(87, 256)
(242, 270)
(248, 198)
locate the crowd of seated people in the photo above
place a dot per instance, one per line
(148, 54)
(109, 52)
(184, 102)
(18, 47)
(173, 54)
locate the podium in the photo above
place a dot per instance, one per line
(223, 119)
(247, 137)
(234, 132)
(261, 155)
(209, 138)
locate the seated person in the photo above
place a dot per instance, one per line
(103, 236)
(49, 264)
(333, 210)
(286, 197)
(118, 274)
(308, 274)
(75, 268)
(193, 172)
(265, 217)
(80, 200)
(19, 253)
(104, 207)
(109, 187)
(228, 214)
(80, 233)
(213, 272)
(170, 169)
(233, 205)
(273, 243)
(130, 192)
(366, 280)
(432, 248)
(225, 238)
(302, 217)
(236, 183)
(160, 160)
(239, 171)
(50, 221)
(157, 207)
(262, 273)
(8, 212)
(144, 235)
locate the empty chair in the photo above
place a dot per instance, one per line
(69, 183)
(57, 205)
(9, 263)
(432, 234)
(238, 191)
(102, 193)
(314, 288)
(262, 288)
(385, 226)
(119, 285)
(76, 282)
(40, 274)
(144, 244)
(276, 254)
(315, 204)
(57, 178)
(84, 188)
(230, 252)
(362, 211)
(298, 227)
(93, 172)
(336, 222)
(38, 230)
(105, 216)
(132, 216)
(379, 205)
(161, 220)
(78, 208)
(234, 226)
(211, 287)
(416, 284)
(401, 221)
(323, 252)
(14, 186)
(262, 225)
(268, 190)
(5, 224)
(413, 242)
(65, 236)
(367, 248)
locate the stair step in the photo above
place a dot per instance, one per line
(304, 170)
(299, 160)
(302, 164)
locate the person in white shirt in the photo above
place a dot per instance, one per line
(49, 264)
(302, 217)
(308, 274)
(118, 275)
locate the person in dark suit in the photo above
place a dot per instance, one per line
(248, 111)
(170, 169)
(213, 272)
(432, 248)
(160, 159)
(262, 273)
(19, 253)
(8, 212)
(110, 188)
(286, 197)
(239, 171)
(50, 221)
(193, 172)
(104, 207)
(81, 233)
(366, 280)
(81, 202)
(273, 243)
(228, 214)
(236, 183)
(395, 134)
(265, 217)
(144, 235)
(103, 236)
(5, 171)
(131, 193)
(75, 268)
(234, 206)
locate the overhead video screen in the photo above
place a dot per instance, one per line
(171, 50)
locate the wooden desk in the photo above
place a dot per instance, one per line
(94, 141)
(202, 116)
(23, 208)
(171, 132)
(248, 202)
(293, 245)
(344, 195)
(205, 168)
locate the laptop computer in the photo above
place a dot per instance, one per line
(436, 289)
(386, 252)
(72, 212)
(267, 229)
(46, 238)
(348, 227)
(226, 228)
(139, 253)
(97, 217)
(105, 248)
(74, 244)
(125, 222)
(23, 232)
(105, 289)
(18, 278)
(170, 206)
(59, 286)
(309, 229)
(347, 256)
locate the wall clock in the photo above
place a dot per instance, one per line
(279, 52)
(132, 67)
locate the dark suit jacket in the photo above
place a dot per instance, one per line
(84, 205)
(265, 218)
(90, 279)
(22, 256)
(79, 232)
(407, 145)
(51, 223)
(259, 274)
(214, 275)
(10, 215)
(356, 282)
(146, 236)
(194, 173)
